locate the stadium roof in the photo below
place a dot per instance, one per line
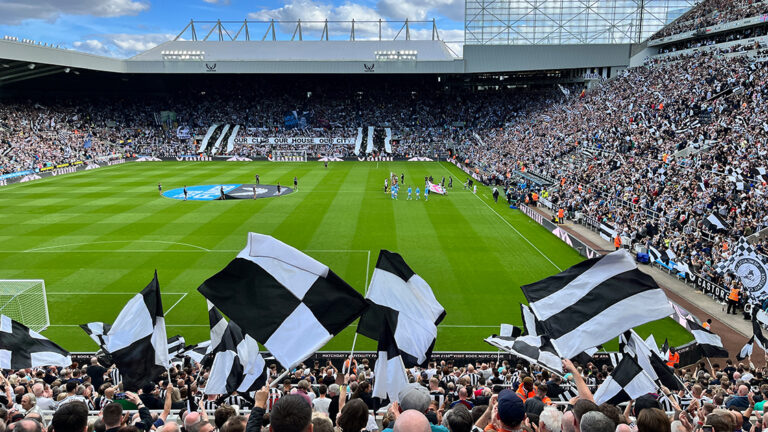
(333, 50)
(228, 48)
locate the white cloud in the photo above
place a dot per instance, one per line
(14, 12)
(421, 9)
(122, 44)
(223, 2)
(92, 46)
(311, 10)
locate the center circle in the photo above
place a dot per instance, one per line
(218, 192)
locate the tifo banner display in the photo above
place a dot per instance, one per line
(750, 266)
(295, 140)
(182, 132)
(562, 234)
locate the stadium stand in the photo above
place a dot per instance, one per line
(652, 153)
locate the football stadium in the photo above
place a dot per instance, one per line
(556, 223)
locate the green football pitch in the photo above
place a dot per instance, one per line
(96, 237)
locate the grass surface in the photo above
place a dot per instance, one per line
(96, 237)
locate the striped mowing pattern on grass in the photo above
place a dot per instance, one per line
(101, 233)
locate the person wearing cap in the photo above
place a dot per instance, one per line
(412, 397)
(525, 390)
(509, 411)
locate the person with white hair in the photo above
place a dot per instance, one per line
(43, 401)
(550, 420)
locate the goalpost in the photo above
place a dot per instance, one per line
(25, 301)
(290, 156)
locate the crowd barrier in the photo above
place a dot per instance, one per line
(560, 233)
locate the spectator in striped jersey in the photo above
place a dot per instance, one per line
(471, 376)
(449, 377)
(210, 403)
(237, 399)
(108, 396)
(274, 395)
(436, 393)
(114, 375)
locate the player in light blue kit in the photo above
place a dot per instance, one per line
(394, 192)
(409, 192)
(417, 193)
(426, 193)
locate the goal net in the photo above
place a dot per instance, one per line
(25, 301)
(290, 156)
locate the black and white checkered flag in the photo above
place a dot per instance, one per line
(237, 364)
(175, 345)
(401, 298)
(595, 301)
(97, 331)
(137, 340)
(218, 327)
(389, 369)
(626, 382)
(533, 349)
(194, 352)
(22, 348)
(710, 344)
(285, 299)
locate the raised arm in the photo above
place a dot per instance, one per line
(581, 386)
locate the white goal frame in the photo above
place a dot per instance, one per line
(289, 156)
(6, 303)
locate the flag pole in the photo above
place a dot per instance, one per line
(279, 377)
(354, 342)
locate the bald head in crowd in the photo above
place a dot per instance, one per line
(191, 419)
(171, 427)
(412, 421)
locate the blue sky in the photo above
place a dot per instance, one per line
(122, 28)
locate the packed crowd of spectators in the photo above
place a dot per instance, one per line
(713, 12)
(652, 156)
(442, 397)
(33, 136)
(735, 40)
(50, 132)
